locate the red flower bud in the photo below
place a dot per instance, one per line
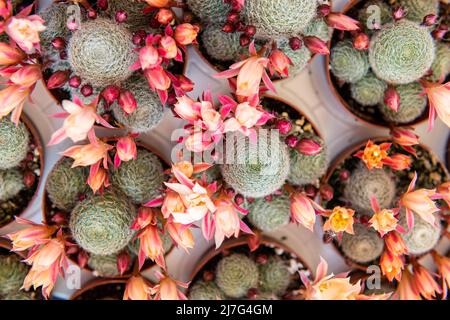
(344, 175)
(295, 43)
(326, 192)
(361, 41)
(59, 218)
(324, 10)
(58, 43)
(316, 45)
(284, 126)
(92, 14)
(164, 16)
(111, 94)
(399, 13)
(87, 90)
(244, 40)
(82, 258)
(308, 147)
(233, 17)
(75, 81)
(208, 276)
(228, 28)
(29, 178)
(102, 4)
(429, 20)
(127, 101)
(123, 262)
(58, 79)
(392, 98)
(250, 30)
(121, 16)
(291, 141)
(239, 199)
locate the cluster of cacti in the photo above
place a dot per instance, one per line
(56, 17)
(307, 169)
(441, 64)
(202, 290)
(14, 143)
(210, 11)
(274, 276)
(363, 184)
(257, 169)
(220, 45)
(101, 223)
(12, 274)
(364, 246)
(369, 91)
(65, 184)
(140, 179)
(11, 183)
(269, 215)
(347, 63)
(101, 52)
(416, 10)
(423, 237)
(412, 104)
(149, 111)
(104, 265)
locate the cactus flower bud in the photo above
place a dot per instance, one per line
(308, 147)
(58, 79)
(316, 45)
(392, 98)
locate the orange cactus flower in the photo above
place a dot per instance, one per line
(10, 55)
(98, 179)
(391, 266)
(151, 246)
(25, 32)
(12, 99)
(137, 289)
(126, 150)
(439, 98)
(444, 191)
(425, 283)
(167, 289)
(406, 138)
(89, 154)
(398, 162)
(340, 220)
(443, 266)
(158, 3)
(302, 210)
(374, 155)
(395, 244)
(186, 33)
(279, 62)
(384, 220)
(407, 289)
(181, 235)
(31, 236)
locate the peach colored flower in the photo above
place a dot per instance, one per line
(425, 283)
(168, 47)
(391, 266)
(439, 99)
(444, 191)
(395, 244)
(340, 21)
(25, 32)
(126, 150)
(246, 117)
(26, 76)
(98, 179)
(89, 154)
(302, 210)
(443, 266)
(158, 3)
(406, 288)
(167, 289)
(383, 220)
(172, 205)
(340, 220)
(185, 109)
(137, 289)
(12, 98)
(33, 235)
(151, 246)
(186, 33)
(279, 62)
(10, 55)
(374, 155)
(406, 138)
(181, 235)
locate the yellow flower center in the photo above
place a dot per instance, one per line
(373, 155)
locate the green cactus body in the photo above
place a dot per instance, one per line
(364, 184)
(55, 16)
(220, 45)
(369, 91)
(299, 58)
(149, 111)
(267, 296)
(364, 246)
(274, 276)
(318, 28)
(104, 266)
(202, 290)
(18, 296)
(441, 63)
(101, 223)
(257, 169)
(101, 52)
(423, 237)
(412, 104)
(140, 179)
(14, 143)
(308, 169)
(211, 175)
(209, 11)
(11, 183)
(416, 10)
(12, 274)
(283, 18)
(136, 18)
(270, 215)
(401, 52)
(374, 12)
(347, 63)
(236, 274)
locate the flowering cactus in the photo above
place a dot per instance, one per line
(416, 10)
(11, 183)
(220, 45)
(347, 63)
(369, 91)
(14, 143)
(423, 237)
(364, 246)
(274, 276)
(269, 215)
(202, 290)
(12, 274)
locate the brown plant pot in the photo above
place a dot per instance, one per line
(39, 146)
(213, 254)
(47, 207)
(99, 284)
(348, 154)
(333, 83)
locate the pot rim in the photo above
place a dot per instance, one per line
(93, 283)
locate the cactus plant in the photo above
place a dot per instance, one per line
(55, 16)
(441, 63)
(236, 274)
(101, 52)
(318, 28)
(274, 276)
(283, 18)
(220, 45)
(202, 290)
(364, 184)
(149, 111)
(369, 91)
(17, 296)
(167, 244)
(270, 215)
(12, 274)
(401, 52)
(412, 104)
(423, 237)
(104, 266)
(101, 223)
(66, 184)
(416, 10)
(347, 63)
(14, 143)
(307, 169)
(209, 11)
(299, 58)
(11, 183)
(140, 179)
(136, 18)
(364, 246)
(257, 169)
(368, 13)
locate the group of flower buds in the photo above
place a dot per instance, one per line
(234, 23)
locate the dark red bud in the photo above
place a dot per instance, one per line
(284, 126)
(102, 4)
(291, 141)
(250, 31)
(29, 178)
(87, 90)
(244, 40)
(208, 276)
(233, 17)
(75, 82)
(326, 192)
(324, 10)
(344, 175)
(58, 43)
(239, 199)
(92, 14)
(228, 28)
(295, 43)
(261, 258)
(429, 20)
(121, 16)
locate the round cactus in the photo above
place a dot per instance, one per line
(401, 52)
(318, 28)
(364, 184)
(149, 111)
(274, 276)
(299, 58)
(282, 18)
(347, 63)
(220, 45)
(104, 266)
(202, 290)
(209, 11)
(368, 15)
(412, 104)
(364, 246)
(369, 91)
(12, 274)
(18, 296)
(140, 179)
(236, 274)
(416, 10)
(11, 183)
(270, 215)
(167, 243)
(308, 169)
(441, 63)
(14, 143)
(136, 18)
(101, 223)
(65, 184)
(423, 237)
(101, 52)
(257, 169)
(55, 16)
